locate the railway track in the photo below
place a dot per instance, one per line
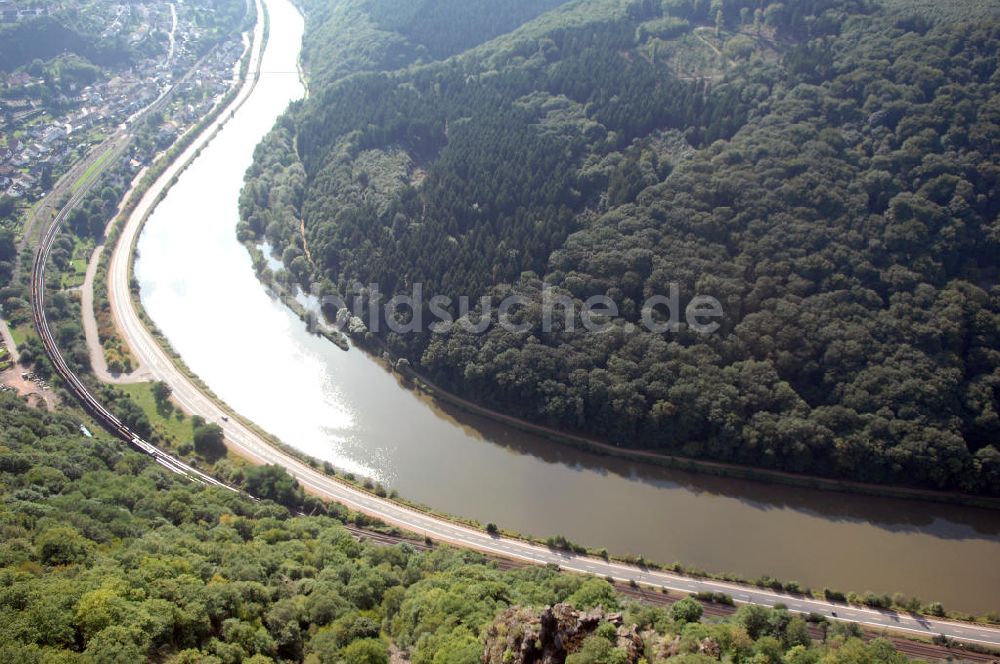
(908, 647)
(119, 143)
(73, 383)
(407, 519)
(113, 424)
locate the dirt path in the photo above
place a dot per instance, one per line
(7, 338)
(97, 360)
(697, 33)
(90, 330)
(13, 377)
(305, 242)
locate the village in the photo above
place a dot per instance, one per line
(48, 121)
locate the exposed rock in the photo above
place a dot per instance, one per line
(666, 650)
(628, 639)
(522, 636)
(710, 647)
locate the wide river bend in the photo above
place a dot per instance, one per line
(199, 288)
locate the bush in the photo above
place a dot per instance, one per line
(62, 545)
(209, 441)
(834, 595)
(274, 483)
(561, 543)
(687, 610)
(365, 651)
(935, 609)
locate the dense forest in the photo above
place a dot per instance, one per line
(107, 558)
(80, 28)
(826, 169)
(46, 37)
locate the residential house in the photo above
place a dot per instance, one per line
(18, 78)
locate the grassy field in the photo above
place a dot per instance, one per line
(95, 136)
(76, 274)
(77, 271)
(23, 213)
(93, 169)
(172, 426)
(21, 333)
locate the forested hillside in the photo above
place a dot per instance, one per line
(826, 169)
(45, 37)
(106, 558)
(82, 28)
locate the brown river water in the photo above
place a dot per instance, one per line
(199, 287)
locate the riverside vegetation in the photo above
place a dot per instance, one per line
(106, 557)
(826, 169)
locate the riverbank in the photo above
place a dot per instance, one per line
(416, 381)
(699, 465)
(420, 382)
(107, 336)
(217, 320)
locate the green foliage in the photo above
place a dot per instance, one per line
(274, 483)
(842, 211)
(209, 442)
(561, 543)
(62, 545)
(106, 555)
(127, 410)
(365, 651)
(45, 37)
(8, 252)
(686, 610)
(161, 392)
(594, 592)
(929, 12)
(597, 650)
(446, 27)
(665, 27)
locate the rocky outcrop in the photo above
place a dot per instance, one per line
(523, 636)
(665, 649)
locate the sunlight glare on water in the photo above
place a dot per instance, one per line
(198, 286)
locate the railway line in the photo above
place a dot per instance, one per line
(113, 424)
(245, 441)
(654, 597)
(117, 143)
(73, 383)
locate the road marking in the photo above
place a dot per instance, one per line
(257, 448)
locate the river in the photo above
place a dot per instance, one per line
(198, 285)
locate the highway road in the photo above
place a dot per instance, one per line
(244, 441)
